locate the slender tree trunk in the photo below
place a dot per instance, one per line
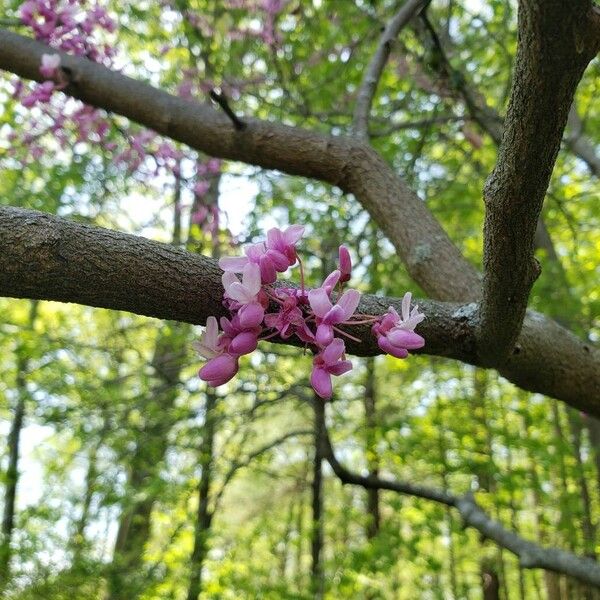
(203, 515)
(12, 471)
(593, 426)
(492, 570)
(126, 575)
(370, 400)
(317, 579)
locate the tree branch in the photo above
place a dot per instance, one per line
(48, 258)
(530, 555)
(430, 257)
(372, 75)
(557, 40)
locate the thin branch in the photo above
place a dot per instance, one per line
(531, 556)
(221, 100)
(372, 75)
(556, 43)
(48, 258)
(430, 257)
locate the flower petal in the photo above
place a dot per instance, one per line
(319, 302)
(324, 334)
(349, 303)
(406, 306)
(234, 264)
(405, 339)
(221, 367)
(341, 367)
(244, 343)
(292, 234)
(334, 351)
(251, 278)
(321, 382)
(251, 315)
(388, 348)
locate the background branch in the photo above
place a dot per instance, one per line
(530, 555)
(372, 75)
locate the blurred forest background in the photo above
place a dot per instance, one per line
(123, 476)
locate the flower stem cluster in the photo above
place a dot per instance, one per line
(260, 311)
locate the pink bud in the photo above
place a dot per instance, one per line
(345, 264)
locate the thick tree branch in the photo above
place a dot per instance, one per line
(47, 258)
(431, 258)
(557, 40)
(530, 555)
(372, 75)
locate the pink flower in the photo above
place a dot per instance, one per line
(329, 314)
(276, 256)
(50, 63)
(246, 291)
(345, 264)
(395, 334)
(328, 363)
(241, 337)
(284, 242)
(41, 93)
(289, 319)
(201, 187)
(221, 366)
(209, 346)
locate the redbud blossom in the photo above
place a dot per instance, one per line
(345, 264)
(50, 64)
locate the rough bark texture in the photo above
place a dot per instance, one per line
(431, 258)
(47, 258)
(557, 40)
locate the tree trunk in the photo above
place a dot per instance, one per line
(317, 579)
(203, 515)
(373, 512)
(12, 471)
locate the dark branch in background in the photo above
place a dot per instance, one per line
(557, 40)
(580, 145)
(221, 100)
(531, 556)
(48, 258)
(372, 75)
(429, 255)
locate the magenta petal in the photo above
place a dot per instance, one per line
(292, 234)
(349, 303)
(334, 351)
(321, 382)
(244, 343)
(319, 302)
(405, 339)
(345, 264)
(331, 281)
(234, 264)
(251, 315)
(223, 367)
(341, 367)
(385, 345)
(280, 261)
(268, 274)
(324, 334)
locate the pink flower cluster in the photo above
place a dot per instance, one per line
(260, 310)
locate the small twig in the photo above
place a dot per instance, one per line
(221, 100)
